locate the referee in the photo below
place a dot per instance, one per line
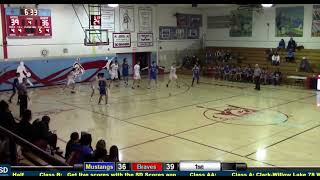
(257, 74)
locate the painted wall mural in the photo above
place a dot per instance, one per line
(289, 21)
(316, 21)
(241, 23)
(50, 72)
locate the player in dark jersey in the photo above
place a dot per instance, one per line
(153, 73)
(15, 85)
(125, 71)
(196, 74)
(103, 88)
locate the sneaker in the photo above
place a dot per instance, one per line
(167, 85)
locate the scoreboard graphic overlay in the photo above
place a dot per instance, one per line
(28, 23)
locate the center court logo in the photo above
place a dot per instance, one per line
(5, 170)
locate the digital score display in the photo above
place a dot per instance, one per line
(28, 23)
(95, 20)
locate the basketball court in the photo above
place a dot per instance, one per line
(215, 120)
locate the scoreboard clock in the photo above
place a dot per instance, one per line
(95, 20)
(28, 23)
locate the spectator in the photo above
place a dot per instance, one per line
(226, 73)
(292, 45)
(23, 96)
(7, 120)
(114, 154)
(282, 44)
(227, 56)
(238, 74)
(264, 76)
(45, 136)
(305, 65)
(257, 74)
(269, 54)
(74, 141)
(291, 56)
(82, 151)
(277, 75)
(15, 85)
(25, 128)
(276, 59)
(101, 153)
(233, 73)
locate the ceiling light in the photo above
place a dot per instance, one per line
(267, 5)
(113, 5)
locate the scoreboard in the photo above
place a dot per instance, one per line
(28, 23)
(183, 168)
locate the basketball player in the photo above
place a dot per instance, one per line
(23, 96)
(153, 73)
(136, 75)
(71, 81)
(22, 70)
(94, 85)
(114, 72)
(103, 89)
(79, 70)
(196, 73)
(125, 71)
(173, 75)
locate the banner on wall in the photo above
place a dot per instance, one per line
(241, 23)
(145, 19)
(173, 33)
(121, 40)
(289, 21)
(107, 18)
(193, 33)
(181, 33)
(145, 39)
(316, 21)
(164, 33)
(126, 19)
(189, 20)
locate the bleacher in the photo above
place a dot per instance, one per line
(254, 56)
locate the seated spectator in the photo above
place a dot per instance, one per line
(7, 120)
(74, 141)
(276, 59)
(292, 45)
(101, 153)
(282, 44)
(114, 154)
(82, 151)
(45, 136)
(264, 76)
(233, 73)
(277, 76)
(227, 56)
(305, 65)
(269, 54)
(226, 73)
(291, 56)
(221, 72)
(25, 128)
(238, 74)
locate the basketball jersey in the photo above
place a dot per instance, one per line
(125, 69)
(153, 69)
(196, 71)
(102, 84)
(137, 69)
(173, 70)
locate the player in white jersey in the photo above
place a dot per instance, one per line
(114, 67)
(136, 75)
(173, 75)
(71, 80)
(94, 85)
